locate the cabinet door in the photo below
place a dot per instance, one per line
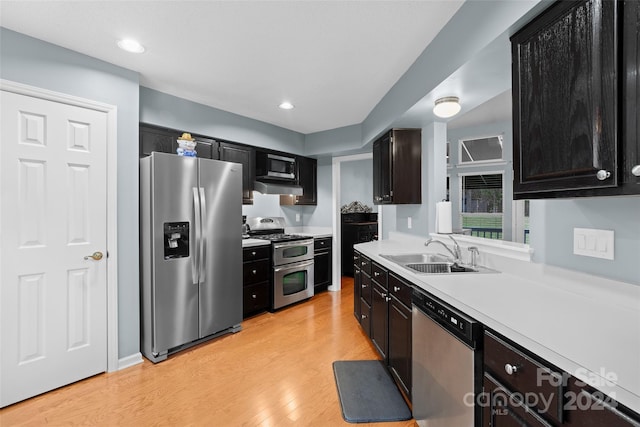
(500, 408)
(565, 99)
(322, 270)
(157, 139)
(357, 294)
(246, 156)
(379, 319)
(382, 170)
(631, 97)
(400, 344)
(307, 179)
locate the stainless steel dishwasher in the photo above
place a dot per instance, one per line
(447, 364)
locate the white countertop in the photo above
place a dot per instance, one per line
(586, 326)
(315, 232)
(247, 243)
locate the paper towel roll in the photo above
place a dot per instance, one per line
(443, 217)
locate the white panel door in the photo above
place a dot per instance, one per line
(53, 300)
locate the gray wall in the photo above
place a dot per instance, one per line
(30, 61)
(356, 182)
(552, 223)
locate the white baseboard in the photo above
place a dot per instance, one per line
(129, 361)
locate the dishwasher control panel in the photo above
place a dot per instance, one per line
(464, 327)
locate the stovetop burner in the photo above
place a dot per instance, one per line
(272, 229)
(279, 237)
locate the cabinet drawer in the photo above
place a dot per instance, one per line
(400, 289)
(365, 288)
(256, 252)
(524, 375)
(254, 272)
(365, 264)
(322, 244)
(379, 274)
(255, 298)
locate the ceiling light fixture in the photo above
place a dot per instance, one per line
(130, 45)
(446, 107)
(286, 105)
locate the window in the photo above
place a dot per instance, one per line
(481, 209)
(481, 149)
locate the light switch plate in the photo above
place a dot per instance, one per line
(593, 243)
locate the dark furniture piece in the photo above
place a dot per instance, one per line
(256, 272)
(382, 306)
(358, 227)
(322, 268)
(307, 173)
(397, 167)
(575, 119)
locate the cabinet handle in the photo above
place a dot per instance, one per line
(376, 274)
(603, 174)
(387, 299)
(364, 286)
(253, 253)
(364, 263)
(355, 258)
(383, 295)
(510, 369)
(254, 296)
(635, 170)
(254, 271)
(356, 272)
(363, 316)
(396, 288)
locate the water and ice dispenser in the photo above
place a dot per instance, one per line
(176, 240)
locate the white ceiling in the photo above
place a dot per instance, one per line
(334, 60)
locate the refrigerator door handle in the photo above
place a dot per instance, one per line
(195, 265)
(203, 236)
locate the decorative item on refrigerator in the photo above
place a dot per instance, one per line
(443, 217)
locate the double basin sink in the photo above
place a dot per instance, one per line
(429, 263)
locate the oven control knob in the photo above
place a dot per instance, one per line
(510, 369)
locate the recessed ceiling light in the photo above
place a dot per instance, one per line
(130, 45)
(286, 105)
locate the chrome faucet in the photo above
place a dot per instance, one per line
(456, 248)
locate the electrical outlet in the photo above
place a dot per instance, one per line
(593, 243)
(297, 217)
(409, 223)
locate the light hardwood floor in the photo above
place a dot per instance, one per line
(277, 371)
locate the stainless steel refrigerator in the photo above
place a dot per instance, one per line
(191, 251)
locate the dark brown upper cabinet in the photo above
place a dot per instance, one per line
(565, 100)
(245, 155)
(307, 176)
(631, 94)
(397, 167)
(163, 140)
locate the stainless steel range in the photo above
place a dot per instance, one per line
(291, 260)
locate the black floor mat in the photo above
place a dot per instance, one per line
(367, 393)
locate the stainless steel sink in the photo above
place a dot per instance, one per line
(417, 258)
(433, 264)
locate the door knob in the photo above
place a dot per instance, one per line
(96, 256)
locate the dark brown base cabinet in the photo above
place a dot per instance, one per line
(576, 96)
(554, 398)
(382, 304)
(322, 270)
(256, 271)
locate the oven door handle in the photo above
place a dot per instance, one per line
(293, 266)
(293, 243)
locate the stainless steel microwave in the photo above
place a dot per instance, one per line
(275, 166)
